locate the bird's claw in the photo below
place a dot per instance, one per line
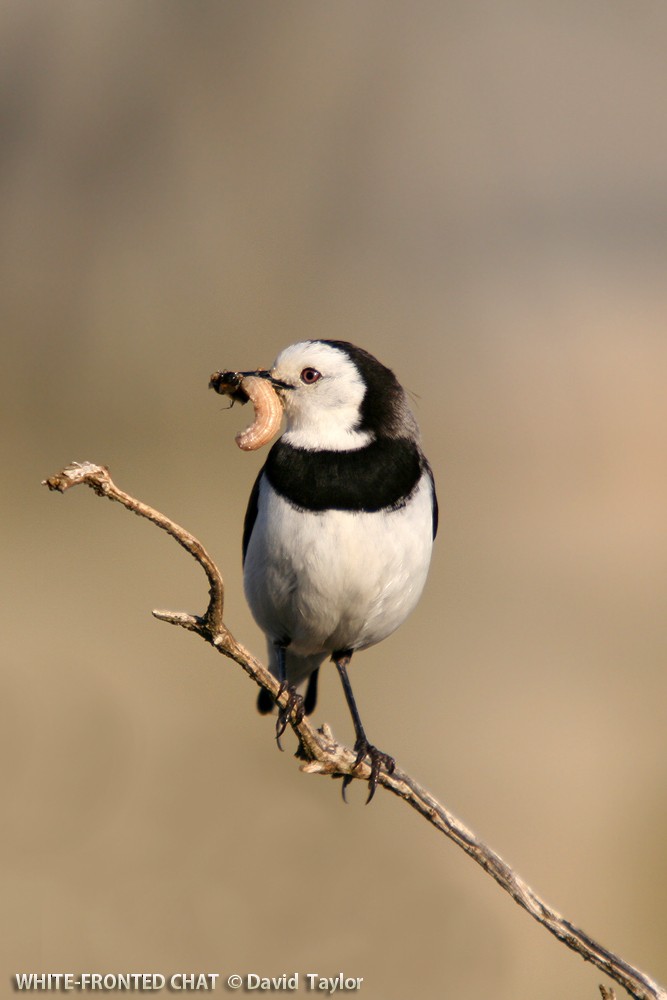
(294, 705)
(378, 760)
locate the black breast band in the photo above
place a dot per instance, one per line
(382, 475)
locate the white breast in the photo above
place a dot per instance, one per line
(336, 580)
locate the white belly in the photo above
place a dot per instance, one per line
(336, 580)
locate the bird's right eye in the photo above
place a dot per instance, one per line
(310, 375)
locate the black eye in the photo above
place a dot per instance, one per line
(310, 375)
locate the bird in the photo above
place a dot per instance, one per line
(340, 524)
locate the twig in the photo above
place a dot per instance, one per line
(323, 755)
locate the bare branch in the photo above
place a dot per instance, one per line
(323, 755)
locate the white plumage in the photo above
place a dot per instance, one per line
(337, 579)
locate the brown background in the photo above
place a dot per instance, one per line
(476, 193)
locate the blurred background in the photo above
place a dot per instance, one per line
(476, 193)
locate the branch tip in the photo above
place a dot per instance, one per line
(76, 473)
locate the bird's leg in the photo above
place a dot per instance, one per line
(295, 701)
(378, 759)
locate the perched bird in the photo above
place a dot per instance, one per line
(340, 523)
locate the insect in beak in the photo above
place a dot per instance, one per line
(258, 387)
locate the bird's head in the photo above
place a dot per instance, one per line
(338, 397)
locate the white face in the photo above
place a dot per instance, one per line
(323, 407)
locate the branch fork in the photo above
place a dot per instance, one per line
(321, 754)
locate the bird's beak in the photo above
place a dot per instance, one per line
(263, 373)
(228, 383)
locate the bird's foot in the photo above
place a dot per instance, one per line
(294, 705)
(378, 760)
